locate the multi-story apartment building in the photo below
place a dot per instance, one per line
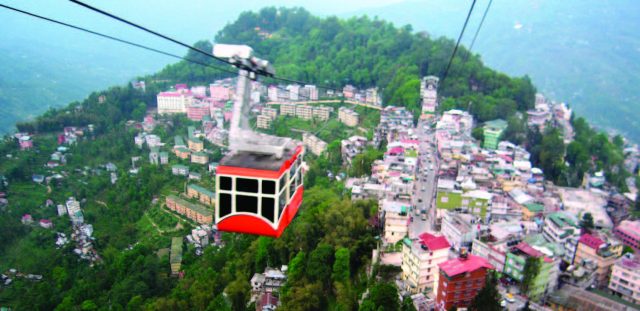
(351, 147)
(396, 217)
(203, 195)
(270, 112)
(197, 109)
(195, 144)
(220, 92)
(546, 279)
(493, 132)
(459, 229)
(495, 244)
(562, 228)
(304, 112)
(322, 113)
(348, 116)
(629, 232)
(315, 144)
(349, 91)
(603, 251)
(309, 92)
(180, 170)
(429, 94)
(288, 109)
(625, 278)
(460, 281)
(294, 91)
(174, 101)
(263, 121)
(199, 158)
(193, 211)
(420, 259)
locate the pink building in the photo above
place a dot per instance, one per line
(25, 142)
(349, 91)
(46, 223)
(197, 110)
(629, 232)
(199, 91)
(181, 86)
(61, 139)
(219, 92)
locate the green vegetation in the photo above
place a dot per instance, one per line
(488, 298)
(587, 222)
(531, 269)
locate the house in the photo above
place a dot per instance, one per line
(25, 142)
(629, 232)
(348, 116)
(493, 132)
(420, 259)
(45, 223)
(195, 176)
(460, 229)
(396, 219)
(315, 144)
(199, 158)
(180, 170)
(625, 278)
(205, 196)
(26, 219)
(164, 157)
(460, 281)
(545, 281)
(195, 144)
(598, 249)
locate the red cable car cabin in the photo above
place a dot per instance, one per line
(258, 193)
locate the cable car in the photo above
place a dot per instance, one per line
(259, 182)
(258, 194)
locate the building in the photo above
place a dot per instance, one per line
(288, 109)
(175, 258)
(195, 144)
(571, 298)
(203, 195)
(560, 226)
(270, 112)
(263, 121)
(629, 232)
(219, 92)
(182, 152)
(197, 109)
(429, 94)
(315, 144)
(420, 259)
(180, 170)
(348, 116)
(396, 219)
(25, 142)
(349, 91)
(322, 113)
(460, 229)
(493, 132)
(310, 92)
(304, 112)
(193, 211)
(26, 219)
(74, 211)
(625, 278)
(46, 223)
(174, 101)
(460, 281)
(351, 147)
(164, 157)
(599, 250)
(199, 158)
(544, 282)
(475, 202)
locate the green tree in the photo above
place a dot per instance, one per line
(529, 273)
(341, 266)
(488, 298)
(384, 296)
(587, 222)
(407, 304)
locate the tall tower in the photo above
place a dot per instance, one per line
(429, 94)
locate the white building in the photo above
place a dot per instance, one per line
(174, 102)
(420, 259)
(396, 220)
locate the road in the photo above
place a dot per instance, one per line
(425, 184)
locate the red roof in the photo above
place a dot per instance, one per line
(45, 221)
(395, 150)
(527, 249)
(433, 242)
(453, 267)
(591, 240)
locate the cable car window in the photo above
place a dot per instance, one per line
(268, 205)
(225, 183)
(268, 187)
(300, 178)
(245, 203)
(225, 205)
(292, 189)
(292, 171)
(282, 181)
(282, 202)
(247, 185)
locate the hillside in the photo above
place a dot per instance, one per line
(327, 247)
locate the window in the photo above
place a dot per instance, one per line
(292, 190)
(268, 187)
(225, 183)
(282, 202)
(224, 205)
(268, 206)
(247, 185)
(245, 203)
(283, 180)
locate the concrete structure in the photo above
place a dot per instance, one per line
(220, 92)
(315, 144)
(625, 278)
(396, 217)
(571, 298)
(429, 94)
(322, 113)
(629, 232)
(420, 259)
(309, 92)
(263, 121)
(174, 101)
(460, 281)
(544, 282)
(270, 112)
(197, 109)
(581, 201)
(193, 211)
(351, 147)
(348, 116)
(304, 112)
(199, 158)
(205, 196)
(601, 250)
(180, 170)
(494, 244)
(195, 144)
(288, 109)
(493, 132)
(460, 229)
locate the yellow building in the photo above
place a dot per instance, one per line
(420, 259)
(602, 251)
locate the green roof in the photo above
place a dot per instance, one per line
(200, 154)
(534, 207)
(195, 140)
(202, 190)
(454, 200)
(190, 131)
(178, 140)
(180, 166)
(164, 154)
(192, 206)
(561, 219)
(182, 149)
(176, 250)
(497, 124)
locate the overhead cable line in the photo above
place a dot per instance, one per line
(115, 39)
(484, 15)
(180, 42)
(455, 49)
